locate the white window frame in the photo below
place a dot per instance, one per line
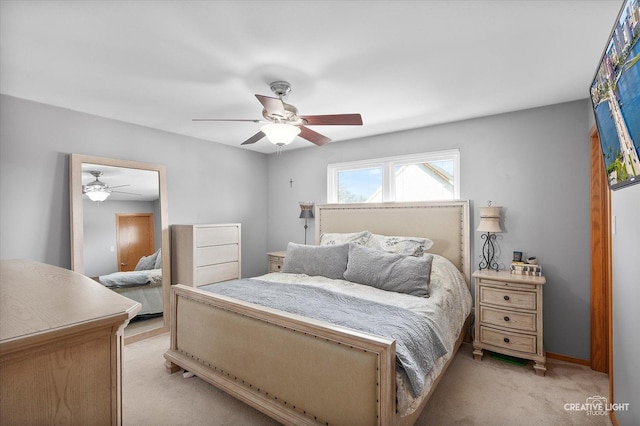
(388, 165)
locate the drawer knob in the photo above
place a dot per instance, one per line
(506, 297)
(506, 318)
(506, 340)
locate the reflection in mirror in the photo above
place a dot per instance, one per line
(120, 234)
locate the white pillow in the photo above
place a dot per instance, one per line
(409, 246)
(332, 239)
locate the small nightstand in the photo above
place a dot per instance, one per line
(276, 260)
(509, 316)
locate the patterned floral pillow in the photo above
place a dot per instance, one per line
(409, 246)
(332, 239)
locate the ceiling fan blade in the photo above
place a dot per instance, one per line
(253, 139)
(272, 105)
(128, 193)
(229, 119)
(312, 136)
(334, 119)
(119, 186)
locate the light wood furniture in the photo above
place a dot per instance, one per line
(61, 337)
(298, 370)
(205, 254)
(276, 260)
(509, 316)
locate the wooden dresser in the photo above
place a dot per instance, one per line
(508, 317)
(60, 347)
(205, 254)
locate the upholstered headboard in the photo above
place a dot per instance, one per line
(446, 223)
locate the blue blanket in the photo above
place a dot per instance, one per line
(417, 344)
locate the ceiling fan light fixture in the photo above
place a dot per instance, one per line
(280, 133)
(96, 190)
(97, 194)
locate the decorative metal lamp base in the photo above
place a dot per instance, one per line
(489, 252)
(305, 231)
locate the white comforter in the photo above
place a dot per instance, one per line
(447, 307)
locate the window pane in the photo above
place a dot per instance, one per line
(424, 181)
(415, 177)
(360, 185)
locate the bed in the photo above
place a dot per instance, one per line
(144, 284)
(306, 370)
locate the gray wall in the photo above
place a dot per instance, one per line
(625, 209)
(99, 232)
(206, 182)
(534, 163)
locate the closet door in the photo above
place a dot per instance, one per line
(600, 260)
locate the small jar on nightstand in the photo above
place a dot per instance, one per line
(509, 316)
(276, 260)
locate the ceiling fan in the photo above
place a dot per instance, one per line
(283, 123)
(98, 190)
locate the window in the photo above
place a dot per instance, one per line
(418, 177)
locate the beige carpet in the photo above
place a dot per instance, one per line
(488, 392)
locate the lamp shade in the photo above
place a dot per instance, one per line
(306, 209)
(279, 133)
(98, 194)
(489, 219)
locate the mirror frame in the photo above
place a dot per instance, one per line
(77, 225)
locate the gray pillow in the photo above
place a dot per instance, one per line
(325, 261)
(146, 262)
(158, 264)
(389, 271)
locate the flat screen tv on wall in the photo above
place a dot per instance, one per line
(615, 95)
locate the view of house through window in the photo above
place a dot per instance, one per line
(420, 177)
(360, 185)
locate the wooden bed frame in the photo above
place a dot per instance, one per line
(298, 370)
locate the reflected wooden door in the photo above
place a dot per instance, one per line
(134, 238)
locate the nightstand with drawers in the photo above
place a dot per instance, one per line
(276, 260)
(508, 317)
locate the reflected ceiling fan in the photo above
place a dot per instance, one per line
(98, 190)
(283, 123)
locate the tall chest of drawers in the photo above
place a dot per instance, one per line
(205, 254)
(508, 316)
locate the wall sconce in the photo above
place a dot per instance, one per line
(280, 134)
(306, 213)
(489, 223)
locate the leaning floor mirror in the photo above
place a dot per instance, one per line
(120, 234)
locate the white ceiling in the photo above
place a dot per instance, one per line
(401, 64)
